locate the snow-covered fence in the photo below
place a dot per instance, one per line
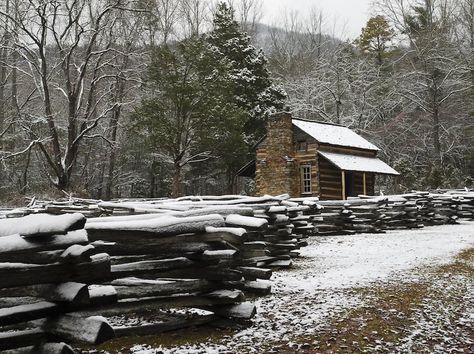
(406, 211)
(203, 254)
(275, 228)
(58, 272)
(64, 280)
(47, 270)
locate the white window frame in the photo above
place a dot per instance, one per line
(306, 180)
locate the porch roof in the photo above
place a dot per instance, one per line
(347, 162)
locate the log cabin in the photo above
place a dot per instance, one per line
(314, 159)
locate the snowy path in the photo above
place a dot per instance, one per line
(318, 288)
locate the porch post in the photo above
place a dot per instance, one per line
(343, 181)
(365, 185)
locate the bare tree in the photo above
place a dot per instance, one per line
(432, 77)
(194, 17)
(249, 13)
(66, 54)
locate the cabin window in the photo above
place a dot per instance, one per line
(302, 145)
(306, 179)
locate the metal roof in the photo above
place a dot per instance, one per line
(333, 134)
(358, 163)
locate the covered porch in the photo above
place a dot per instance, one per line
(345, 175)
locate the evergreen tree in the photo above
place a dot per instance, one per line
(210, 97)
(375, 37)
(252, 87)
(187, 117)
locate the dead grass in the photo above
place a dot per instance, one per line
(183, 337)
(390, 311)
(463, 264)
(384, 319)
(466, 255)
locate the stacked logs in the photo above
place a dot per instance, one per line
(156, 266)
(407, 211)
(464, 201)
(271, 238)
(206, 248)
(48, 270)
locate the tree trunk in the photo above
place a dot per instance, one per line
(230, 181)
(24, 175)
(116, 113)
(14, 91)
(63, 181)
(110, 174)
(436, 139)
(3, 74)
(176, 188)
(152, 180)
(101, 183)
(3, 69)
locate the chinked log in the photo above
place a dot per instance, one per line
(18, 339)
(38, 225)
(160, 226)
(252, 273)
(75, 253)
(154, 246)
(257, 287)
(19, 244)
(249, 222)
(20, 274)
(166, 326)
(133, 305)
(216, 273)
(245, 311)
(163, 289)
(92, 330)
(46, 348)
(23, 313)
(147, 267)
(69, 292)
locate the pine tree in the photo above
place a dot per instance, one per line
(375, 37)
(253, 89)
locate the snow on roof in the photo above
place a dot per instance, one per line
(358, 163)
(333, 134)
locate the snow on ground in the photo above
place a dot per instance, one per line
(348, 261)
(320, 286)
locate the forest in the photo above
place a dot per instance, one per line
(154, 98)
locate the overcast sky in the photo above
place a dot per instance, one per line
(349, 15)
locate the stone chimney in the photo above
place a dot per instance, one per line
(276, 170)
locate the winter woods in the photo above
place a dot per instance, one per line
(153, 98)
